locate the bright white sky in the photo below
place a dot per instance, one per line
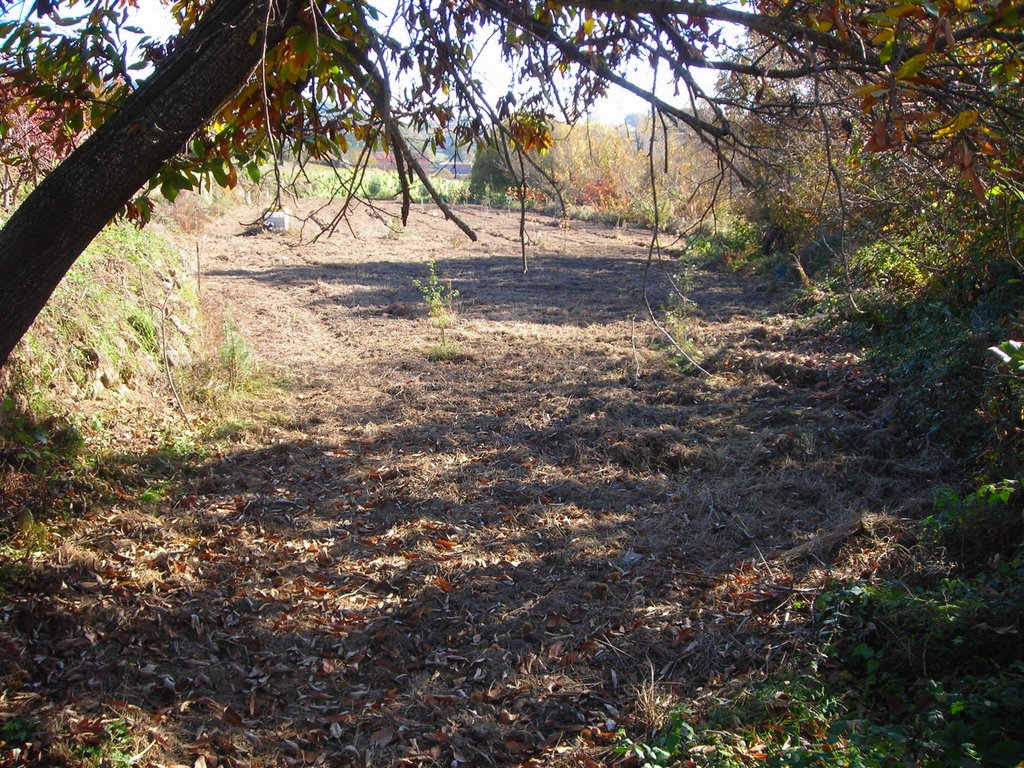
(156, 20)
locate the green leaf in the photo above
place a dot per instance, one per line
(219, 169)
(24, 438)
(170, 189)
(912, 66)
(75, 121)
(885, 55)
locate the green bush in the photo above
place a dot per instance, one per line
(887, 265)
(734, 245)
(489, 177)
(980, 524)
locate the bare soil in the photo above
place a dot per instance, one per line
(494, 561)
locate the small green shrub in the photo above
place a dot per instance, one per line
(111, 749)
(235, 354)
(17, 732)
(892, 630)
(679, 318)
(396, 230)
(887, 264)
(440, 298)
(782, 721)
(36, 443)
(141, 321)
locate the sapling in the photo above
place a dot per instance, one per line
(439, 297)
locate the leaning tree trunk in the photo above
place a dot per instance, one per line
(67, 210)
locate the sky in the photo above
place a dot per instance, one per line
(155, 18)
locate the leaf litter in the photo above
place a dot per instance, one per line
(499, 561)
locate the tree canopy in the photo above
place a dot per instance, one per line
(120, 123)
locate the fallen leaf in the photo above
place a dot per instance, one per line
(383, 737)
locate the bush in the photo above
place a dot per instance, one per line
(489, 175)
(985, 522)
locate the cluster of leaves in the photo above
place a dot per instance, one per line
(30, 145)
(27, 441)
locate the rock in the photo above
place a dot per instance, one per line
(147, 366)
(183, 329)
(178, 358)
(109, 378)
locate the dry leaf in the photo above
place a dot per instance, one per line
(382, 737)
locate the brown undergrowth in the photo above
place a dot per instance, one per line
(496, 561)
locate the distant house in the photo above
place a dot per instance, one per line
(382, 161)
(385, 161)
(441, 166)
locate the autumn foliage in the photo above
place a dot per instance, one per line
(31, 144)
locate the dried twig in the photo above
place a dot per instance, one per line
(167, 362)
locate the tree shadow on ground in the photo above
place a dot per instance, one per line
(560, 290)
(591, 274)
(428, 590)
(483, 563)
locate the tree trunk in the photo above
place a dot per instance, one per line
(59, 219)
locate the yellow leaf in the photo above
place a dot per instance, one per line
(960, 123)
(818, 24)
(871, 89)
(902, 10)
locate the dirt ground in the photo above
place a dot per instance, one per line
(495, 561)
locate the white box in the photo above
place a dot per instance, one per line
(277, 221)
